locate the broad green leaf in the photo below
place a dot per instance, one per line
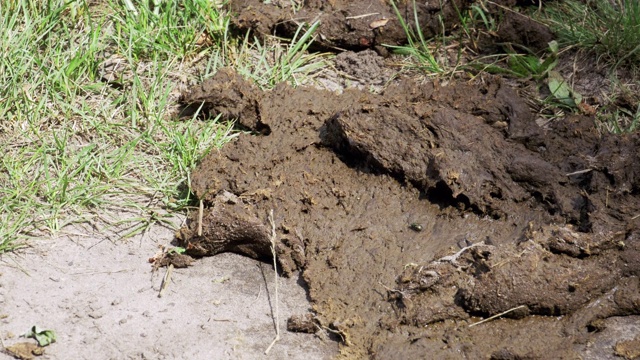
(548, 64)
(42, 336)
(560, 88)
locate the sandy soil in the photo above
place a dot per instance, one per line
(101, 299)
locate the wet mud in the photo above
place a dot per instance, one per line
(415, 213)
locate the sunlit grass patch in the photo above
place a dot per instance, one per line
(74, 145)
(165, 30)
(275, 60)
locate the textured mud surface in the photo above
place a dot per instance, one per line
(414, 213)
(358, 25)
(354, 25)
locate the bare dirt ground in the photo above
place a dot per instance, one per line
(101, 299)
(403, 219)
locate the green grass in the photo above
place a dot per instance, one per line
(418, 47)
(623, 113)
(77, 149)
(269, 65)
(622, 120)
(433, 56)
(609, 28)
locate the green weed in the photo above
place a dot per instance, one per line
(623, 120)
(531, 65)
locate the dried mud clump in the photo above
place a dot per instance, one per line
(412, 212)
(344, 24)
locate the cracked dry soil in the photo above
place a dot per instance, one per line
(417, 212)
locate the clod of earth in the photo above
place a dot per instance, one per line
(509, 220)
(354, 25)
(24, 350)
(629, 349)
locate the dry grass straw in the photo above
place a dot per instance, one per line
(497, 315)
(165, 280)
(275, 274)
(200, 214)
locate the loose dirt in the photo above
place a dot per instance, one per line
(352, 25)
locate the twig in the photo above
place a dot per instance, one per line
(275, 272)
(200, 212)
(337, 332)
(100, 272)
(579, 172)
(17, 264)
(165, 280)
(390, 289)
(497, 315)
(361, 16)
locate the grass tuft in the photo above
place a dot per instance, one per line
(609, 28)
(269, 63)
(418, 47)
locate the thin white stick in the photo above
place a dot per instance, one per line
(497, 315)
(275, 272)
(361, 16)
(165, 280)
(579, 172)
(200, 212)
(453, 258)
